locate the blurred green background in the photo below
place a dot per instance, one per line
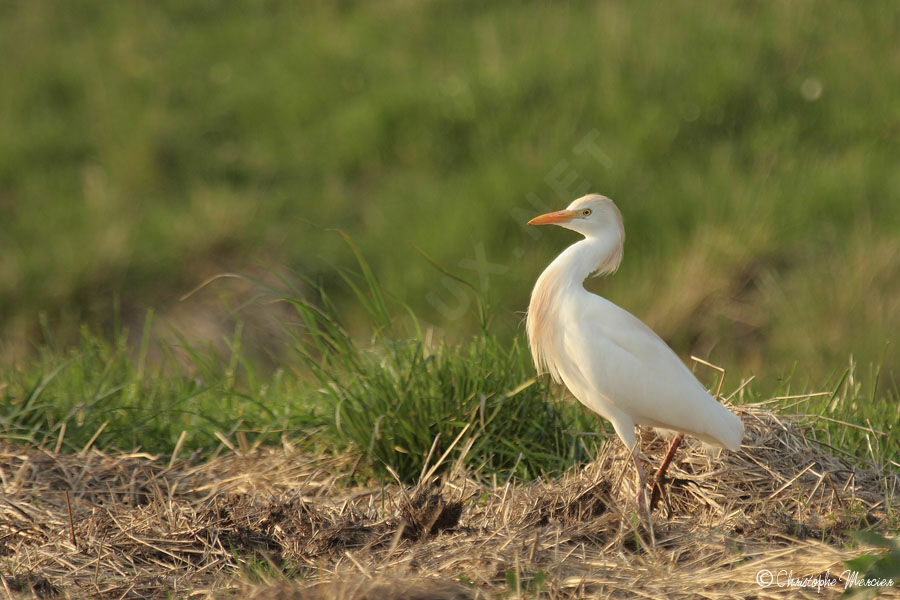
(752, 147)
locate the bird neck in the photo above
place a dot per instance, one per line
(559, 282)
(579, 261)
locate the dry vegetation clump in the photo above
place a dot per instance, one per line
(275, 523)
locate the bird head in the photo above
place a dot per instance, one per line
(593, 216)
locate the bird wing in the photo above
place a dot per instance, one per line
(631, 367)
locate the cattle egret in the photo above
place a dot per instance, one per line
(608, 359)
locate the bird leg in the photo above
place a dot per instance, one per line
(660, 474)
(642, 481)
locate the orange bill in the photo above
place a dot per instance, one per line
(560, 216)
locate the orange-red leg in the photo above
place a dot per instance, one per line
(660, 474)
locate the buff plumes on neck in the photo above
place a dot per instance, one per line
(599, 220)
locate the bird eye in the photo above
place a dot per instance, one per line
(586, 212)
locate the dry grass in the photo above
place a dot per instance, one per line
(275, 523)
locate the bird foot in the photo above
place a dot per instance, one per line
(656, 492)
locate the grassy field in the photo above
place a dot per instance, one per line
(751, 148)
(147, 148)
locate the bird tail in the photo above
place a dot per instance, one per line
(723, 429)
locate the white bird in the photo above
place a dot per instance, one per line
(608, 359)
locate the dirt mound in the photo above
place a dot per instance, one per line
(275, 523)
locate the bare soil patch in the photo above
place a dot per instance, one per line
(276, 523)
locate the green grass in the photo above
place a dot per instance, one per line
(405, 401)
(883, 565)
(751, 148)
(99, 390)
(399, 399)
